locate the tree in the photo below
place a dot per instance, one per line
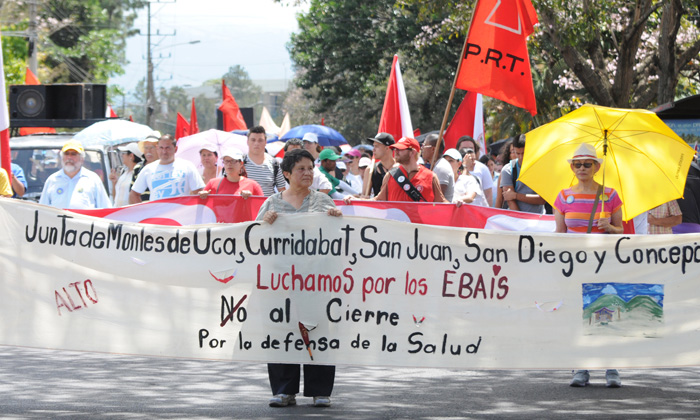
(632, 54)
(343, 54)
(80, 41)
(618, 53)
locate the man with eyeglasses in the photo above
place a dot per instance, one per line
(517, 195)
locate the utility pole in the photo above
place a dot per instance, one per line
(150, 93)
(150, 90)
(32, 37)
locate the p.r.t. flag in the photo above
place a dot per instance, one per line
(396, 120)
(496, 62)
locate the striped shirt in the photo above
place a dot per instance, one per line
(576, 208)
(264, 174)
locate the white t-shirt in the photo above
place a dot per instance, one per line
(466, 184)
(122, 188)
(355, 181)
(176, 179)
(482, 172)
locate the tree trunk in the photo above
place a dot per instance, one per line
(668, 69)
(627, 54)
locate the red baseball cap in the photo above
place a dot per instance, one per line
(406, 143)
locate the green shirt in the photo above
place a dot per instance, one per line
(334, 181)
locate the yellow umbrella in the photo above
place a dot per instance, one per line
(644, 160)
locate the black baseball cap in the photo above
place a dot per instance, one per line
(384, 138)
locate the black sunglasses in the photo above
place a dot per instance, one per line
(586, 165)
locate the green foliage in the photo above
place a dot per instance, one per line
(13, 49)
(79, 41)
(88, 44)
(605, 52)
(343, 54)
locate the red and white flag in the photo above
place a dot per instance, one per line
(5, 160)
(396, 119)
(194, 126)
(496, 62)
(109, 113)
(467, 121)
(193, 210)
(224, 208)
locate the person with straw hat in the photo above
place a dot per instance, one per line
(573, 208)
(588, 208)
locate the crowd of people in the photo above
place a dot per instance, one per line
(309, 177)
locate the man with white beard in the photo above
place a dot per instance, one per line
(74, 187)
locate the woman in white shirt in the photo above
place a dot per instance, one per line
(121, 184)
(468, 188)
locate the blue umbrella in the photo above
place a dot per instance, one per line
(326, 135)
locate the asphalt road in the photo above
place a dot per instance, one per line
(44, 384)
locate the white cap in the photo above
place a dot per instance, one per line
(234, 154)
(365, 161)
(454, 154)
(340, 165)
(133, 148)
(310, 137)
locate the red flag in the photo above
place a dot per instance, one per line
(131, 118)
(496, 62)
(396, 120)
(31, 79)
(182, 127)
(467, 121)
(233, 119)
(194, 127)
(5, 160)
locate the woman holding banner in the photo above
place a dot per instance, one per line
(573, 213)
(298, 169)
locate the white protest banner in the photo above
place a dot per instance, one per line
(370, 292)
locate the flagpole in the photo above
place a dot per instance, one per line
(452, 91)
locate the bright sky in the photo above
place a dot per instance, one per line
(250, 33)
